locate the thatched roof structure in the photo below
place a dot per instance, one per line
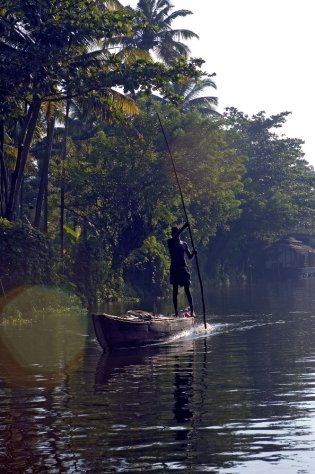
(290, 253)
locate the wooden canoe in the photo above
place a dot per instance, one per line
(137, 328)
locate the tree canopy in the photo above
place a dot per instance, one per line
(278, 194)
(84, 161)
(156, 34)
(62, 52)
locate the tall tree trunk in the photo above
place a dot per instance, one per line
(20, 141)
(21, 200)
(63, 176)
(45, 223)
(44, 172)
(3, 173)
(24, 147)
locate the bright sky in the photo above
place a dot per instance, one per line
(262, 52)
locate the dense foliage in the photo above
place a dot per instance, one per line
(278, 194)
(62, 53)
(123, 190)
(26, 256)
(84, 167)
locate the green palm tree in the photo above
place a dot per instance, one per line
(193, 91)
(157, 35)
(37, 56)
(192, 94)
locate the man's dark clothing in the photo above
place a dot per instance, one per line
(179, 273)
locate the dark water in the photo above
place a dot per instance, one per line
(238, 398)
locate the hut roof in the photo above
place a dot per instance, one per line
(291, 243)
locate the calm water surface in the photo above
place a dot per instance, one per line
(237, 398)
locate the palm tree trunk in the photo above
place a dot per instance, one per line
(21, 200)
(45, 223)
(21, 138)
(23, 149)
(44, 172)
(63, 176)
(3, 173)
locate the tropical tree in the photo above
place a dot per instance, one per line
(62, 52)
(121, 190)
(278, 194)
(156, 34)
(191, 94)
(279, 189)
(51, 113)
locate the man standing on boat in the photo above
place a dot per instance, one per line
(179, 273)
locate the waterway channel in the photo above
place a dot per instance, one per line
(237, 398)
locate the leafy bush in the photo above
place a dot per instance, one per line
(26, 256)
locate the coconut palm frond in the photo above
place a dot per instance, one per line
(161, 17)
(183, 34)
(157, 35)
(204, 105)
(208, 101)
(148, 5)
(130, 55)
(104, 107)
(50, 108)
(10, 151)
(195, 89)
(173, 16)
(193, 95)
(75, 108)
(161, 3)
(114, 5)
(171, 50)
(40, 131)
(30, 166)
(11, 154)
(14, 34)
(90, 58)
(204, 83)
(124, 103)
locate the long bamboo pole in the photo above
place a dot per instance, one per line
(187, 220)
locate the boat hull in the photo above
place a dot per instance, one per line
(120, 331)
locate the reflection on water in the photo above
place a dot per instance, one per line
(238, 398)
(42, 335)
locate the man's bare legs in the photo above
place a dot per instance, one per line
(188, 295)
(175, 294)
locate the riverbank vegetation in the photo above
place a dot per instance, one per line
(87, 192)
